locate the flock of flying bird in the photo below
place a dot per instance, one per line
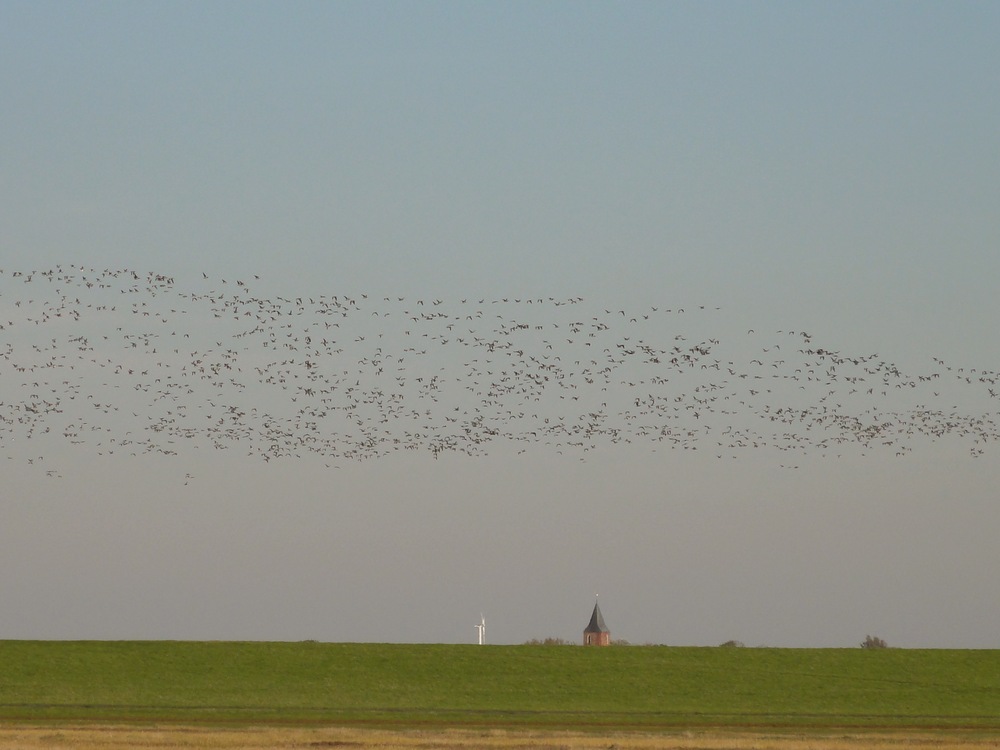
(118, 361)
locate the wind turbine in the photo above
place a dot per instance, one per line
(481, 628)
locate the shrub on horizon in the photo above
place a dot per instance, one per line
(873, 642)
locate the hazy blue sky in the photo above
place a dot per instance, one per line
(830, 167)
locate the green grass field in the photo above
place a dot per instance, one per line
(530, 686)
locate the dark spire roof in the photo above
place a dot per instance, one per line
(596, 622)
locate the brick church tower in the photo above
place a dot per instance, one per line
(596, 633)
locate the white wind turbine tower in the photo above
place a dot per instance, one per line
(481, 628)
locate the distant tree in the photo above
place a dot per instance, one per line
(732, 644)
(872, 642)
(620, 642)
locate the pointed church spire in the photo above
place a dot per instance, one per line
(596, 633)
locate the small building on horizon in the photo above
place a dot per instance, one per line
(596, 633)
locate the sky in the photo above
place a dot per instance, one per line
(768, 167)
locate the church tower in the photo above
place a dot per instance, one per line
(596, 633)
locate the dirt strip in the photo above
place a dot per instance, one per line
(90, 737)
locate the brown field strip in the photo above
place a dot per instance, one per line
(37, 737)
